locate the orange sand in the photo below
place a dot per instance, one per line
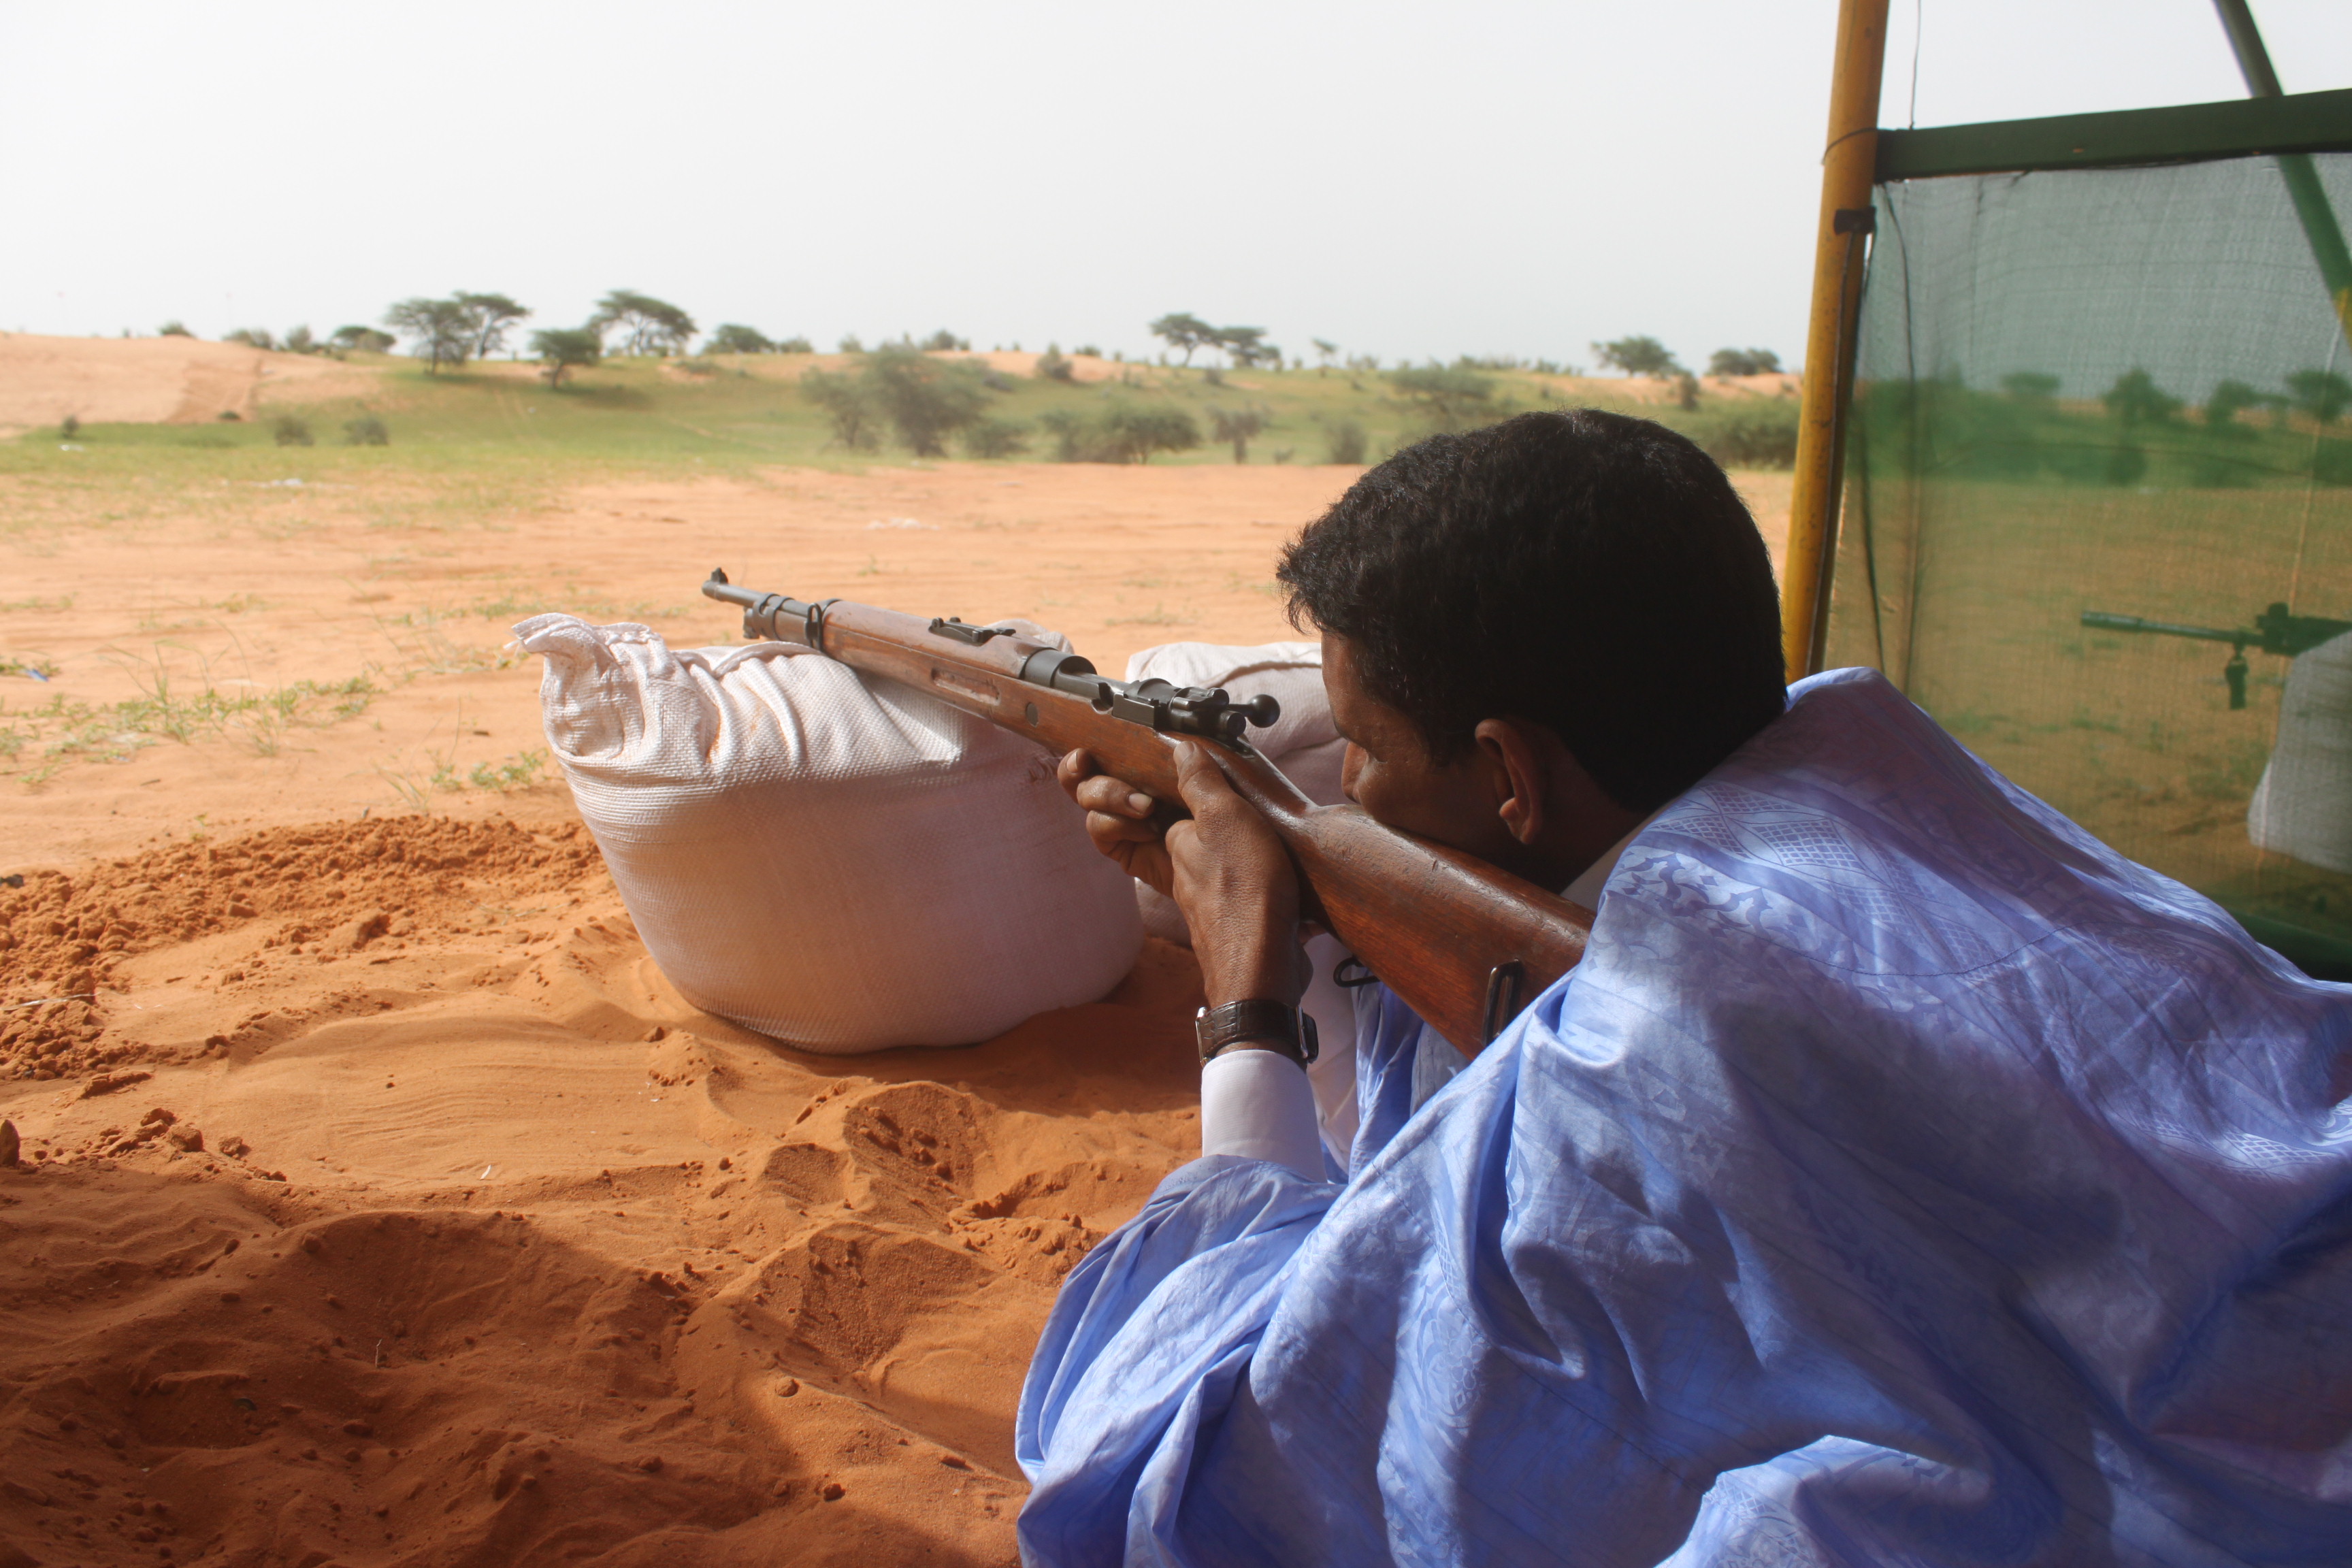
(382, 1204)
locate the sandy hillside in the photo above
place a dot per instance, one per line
(379, 1201)
(153, 380)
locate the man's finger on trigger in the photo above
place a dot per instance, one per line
(1198, 779)
(1075, 768)
(1103, 826)
(1104, 793)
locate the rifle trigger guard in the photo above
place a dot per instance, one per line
(1349, 974)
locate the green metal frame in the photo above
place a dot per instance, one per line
(2186, 133)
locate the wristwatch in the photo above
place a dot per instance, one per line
(1267, 1026)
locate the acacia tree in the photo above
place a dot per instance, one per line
(560, 349)
(1185, 332)
(444, 329)
(1324, 353)
(1743, 361)
(651, 326)
(1639, 356)
(492, 315)
(732, 338)
(1246, 346)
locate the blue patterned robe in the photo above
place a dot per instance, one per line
(1903, 1177)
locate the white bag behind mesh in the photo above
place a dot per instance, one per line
(842, 864)
(2303, 807)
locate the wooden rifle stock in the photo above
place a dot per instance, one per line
(1464, 943)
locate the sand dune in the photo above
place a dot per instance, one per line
(142, 381)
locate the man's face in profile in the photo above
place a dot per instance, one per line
(1390, 774)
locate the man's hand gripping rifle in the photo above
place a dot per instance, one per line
(1462, 942)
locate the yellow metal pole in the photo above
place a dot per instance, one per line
(1847, 164)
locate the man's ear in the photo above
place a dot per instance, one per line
(1516, 765)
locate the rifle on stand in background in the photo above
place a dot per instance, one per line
(2273, 631)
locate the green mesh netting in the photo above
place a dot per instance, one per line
(2122, 392)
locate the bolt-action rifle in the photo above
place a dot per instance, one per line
(2273, 631)
(1462, 942)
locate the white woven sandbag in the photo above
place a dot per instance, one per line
(2303, 807)
(839, 862)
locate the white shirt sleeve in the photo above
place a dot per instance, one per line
(1260, 1105)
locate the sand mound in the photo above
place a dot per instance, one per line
(307, 892)
(152, 381)
(384, 1205)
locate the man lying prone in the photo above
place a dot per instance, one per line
(1902, 1177)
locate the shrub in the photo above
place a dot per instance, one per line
(1743, 361)
(300, 341)
(291, 430)
(944, 342)
(1052, 366)
(996, 438)
(925, 400)
(2226, 402)
(367, 430)
(1121, 433)
(1761, 433)
(732, 338)
(1344, 443)
(228, 417)
(174, 330)
(1213, 376)
(2321, 394)
(846, 408)
(1449, 399)
(1687, 392)
(363, 340)
(849, 344)
(697, 367)
(1088, 350)
(1238, 425)
(2136, 399)
(2031, 385)
(69, 427)
(252, 338)
(796, 346)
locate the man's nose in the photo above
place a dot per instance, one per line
(1351, 763)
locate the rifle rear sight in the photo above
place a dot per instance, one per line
(1152, 702)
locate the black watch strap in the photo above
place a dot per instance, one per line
(1271, 1026)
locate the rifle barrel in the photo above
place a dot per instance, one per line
(2102, 621)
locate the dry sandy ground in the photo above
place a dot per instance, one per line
(153, 380)
(381, 1203)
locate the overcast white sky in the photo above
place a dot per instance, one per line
(1487, 176)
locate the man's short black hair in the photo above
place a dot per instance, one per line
(1590, 572)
